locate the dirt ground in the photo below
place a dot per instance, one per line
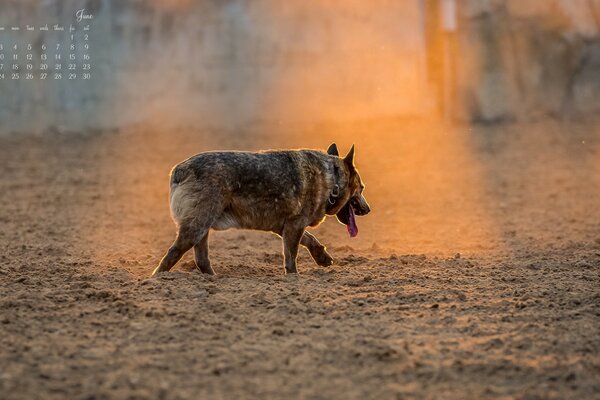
(477, 275)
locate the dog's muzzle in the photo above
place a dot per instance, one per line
(360, 205)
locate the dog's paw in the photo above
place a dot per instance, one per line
(324, 259)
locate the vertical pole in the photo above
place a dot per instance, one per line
(449, 26)
(423, 70)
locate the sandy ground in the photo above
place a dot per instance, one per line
(477, 275)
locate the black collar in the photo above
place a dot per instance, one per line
(336, 190)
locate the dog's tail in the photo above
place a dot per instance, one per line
(181, 200)
(179, 174)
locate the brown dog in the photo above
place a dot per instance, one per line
(277, 191)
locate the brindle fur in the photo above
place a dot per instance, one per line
(277, 191)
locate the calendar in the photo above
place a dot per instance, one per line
(53, 50)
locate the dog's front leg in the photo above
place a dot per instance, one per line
(316, 250)
(291, 240)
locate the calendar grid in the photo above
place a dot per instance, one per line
(46, 52)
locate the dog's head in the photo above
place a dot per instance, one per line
(351, 197)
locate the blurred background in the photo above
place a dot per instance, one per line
(477, 133)
(236, 62)
(475, 121)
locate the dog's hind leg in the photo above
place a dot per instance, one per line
(187, 237)
(316, 250)
(201, 256)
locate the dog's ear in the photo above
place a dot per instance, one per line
(349, 159)
(332, 150)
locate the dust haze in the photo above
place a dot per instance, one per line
(475, 275)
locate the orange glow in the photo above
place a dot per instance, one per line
(307, 74)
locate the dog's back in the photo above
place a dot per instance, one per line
(250, 190)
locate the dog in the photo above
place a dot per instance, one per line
(283, 192)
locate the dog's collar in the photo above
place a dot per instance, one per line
(336, 191)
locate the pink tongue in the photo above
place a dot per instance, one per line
(352, 228)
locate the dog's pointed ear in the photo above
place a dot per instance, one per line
(349, 159)
(332, 150)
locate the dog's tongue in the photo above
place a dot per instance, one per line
(352, 228)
